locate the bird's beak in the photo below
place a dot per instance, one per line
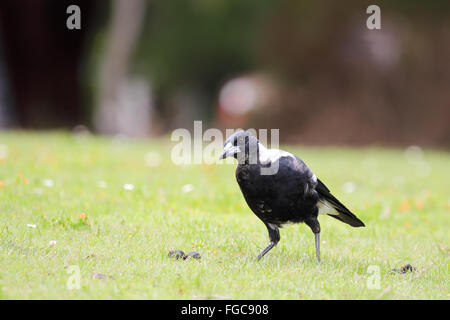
(229, 151)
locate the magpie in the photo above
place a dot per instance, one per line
(280, 189)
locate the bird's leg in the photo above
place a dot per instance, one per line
(315, 227)
(274, 236)
(267, 249)
(317, 246)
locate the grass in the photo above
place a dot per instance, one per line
(72, 189)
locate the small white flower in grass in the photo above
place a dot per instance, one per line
(30, 225)
(153, 159)
(52, 243)
(3, 151)
(128, 186)
(102, 184)
(48, 183)
(375, 180)
(187, 188)
(398, 181)
(414, 154)
(423, 169)
(385, 212)
(370, 163)
(349, 187)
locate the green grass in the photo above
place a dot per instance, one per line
(127, 233)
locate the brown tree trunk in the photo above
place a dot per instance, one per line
(126, 22)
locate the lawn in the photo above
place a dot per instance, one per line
(113, 208)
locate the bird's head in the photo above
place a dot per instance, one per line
(241, 145)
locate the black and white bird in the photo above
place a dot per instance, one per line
(279, 188)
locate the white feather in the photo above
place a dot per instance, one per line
(326, 208)
(271, 155)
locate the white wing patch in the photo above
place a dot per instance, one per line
(326, 208)
(271, 155)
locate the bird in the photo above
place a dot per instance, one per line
(280, 189)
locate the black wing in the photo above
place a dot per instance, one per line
(342, 213)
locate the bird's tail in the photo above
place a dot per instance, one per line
(341, 212)
(331, 206)
(348, 219)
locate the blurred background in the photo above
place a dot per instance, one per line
(312, 69)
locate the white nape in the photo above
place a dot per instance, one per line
(271, 155)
